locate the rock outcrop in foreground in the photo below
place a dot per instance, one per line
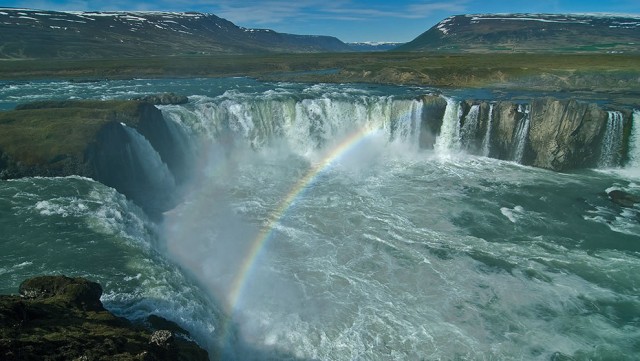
(62, 318)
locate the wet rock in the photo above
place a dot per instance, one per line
(565, 134)
(623, 198)
(75, 291)
(61, 318)
(161, 338)
(434, 108)
(164, 99)
(159, 323)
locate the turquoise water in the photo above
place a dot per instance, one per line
(389, 253)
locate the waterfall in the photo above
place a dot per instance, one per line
(152, 168)
(634, 141)
(416, 113)
(305, 125)
(308, 123)
(522, 133)
(469, 130)
(612, 140)
(449, 139)
(406, 123)
(180, 132)
(486, 142)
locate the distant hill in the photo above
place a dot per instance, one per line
(573, 33)
(26, 33)
(373, 46)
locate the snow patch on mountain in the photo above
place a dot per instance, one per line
(443, 26)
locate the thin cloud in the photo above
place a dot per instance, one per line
(85, 5)
(266, 12)
(263, 13)
(426, 9)
(280, 11)
(410, 11)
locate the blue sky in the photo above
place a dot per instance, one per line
(349, 20)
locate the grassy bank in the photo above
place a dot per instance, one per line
(588, 72)
(32, 135)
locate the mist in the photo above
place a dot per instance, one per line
(325, 232)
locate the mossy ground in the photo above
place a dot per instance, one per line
(50, 132)
(63, 319)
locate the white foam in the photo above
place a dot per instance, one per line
(47, 208)
(513, 214)
(15, 267)
(23, 264)
(131, 278)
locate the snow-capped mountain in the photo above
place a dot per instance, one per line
(28, 33)
(613, 33)
(373, 45)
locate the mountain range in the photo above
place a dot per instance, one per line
(373, 46)
(569, 33)
(26, 33)
(40, 34)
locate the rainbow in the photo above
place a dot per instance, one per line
(257, 245)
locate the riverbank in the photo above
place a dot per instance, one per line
(615, 74)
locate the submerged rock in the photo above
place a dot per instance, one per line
(623, 198)
(62, 318)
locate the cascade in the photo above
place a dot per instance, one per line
(612, 140)
(486, 141)
(405, 121)
(416, 114)
(449, 139)
(470, 128)
(304, 124)
(153, 170)
(634, 141)
(179, 133)
(522, 133)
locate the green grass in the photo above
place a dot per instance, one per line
(613, 75)
(262, 65)
(48, 132)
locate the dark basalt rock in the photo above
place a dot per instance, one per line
(62, 318)
(158, 323)
(623, 198)
(164, 99)
(161, 338)
(434, 108)
(79, 292)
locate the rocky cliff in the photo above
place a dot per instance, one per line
(127, 145)
(62, 318)
(544, 132)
